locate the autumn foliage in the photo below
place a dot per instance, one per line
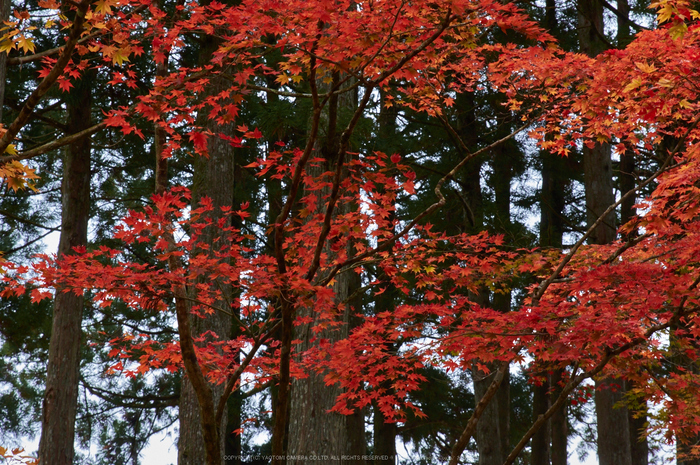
(592, 310)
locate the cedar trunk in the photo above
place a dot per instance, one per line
(213, 178)
(61, 396)
(549, 444)
(613, 425)
(313, 430)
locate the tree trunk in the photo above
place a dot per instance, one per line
(637, 419)
(314, 431)
(638, 440)
(61, 396)
(213, 178)
(384, 434)
(559, 425)
(489, 432)
(613, 427)
(493, 428)
(540, 440)
(553, 438)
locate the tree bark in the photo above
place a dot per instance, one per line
(384, 434)
(492, 428)
(488, 430)
(314, 431)
(213, 178)
(613, 427)
(61, 396)
(549, 444)
(540, 440)
(558, 423)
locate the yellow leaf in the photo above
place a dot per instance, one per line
(117, 55)
(104, 7)
(645, 67)
(17, 176)
(632, 85)
(6, 45)
(11, 149)
(666, 13)
(664, 82)
(26, 44)
(678, 31)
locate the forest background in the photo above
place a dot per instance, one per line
(465, 227)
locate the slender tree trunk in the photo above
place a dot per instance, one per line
(540, 440)
(559, 425)
(637, 419)
(314, 431)
(384, 434)
(61, 396)
(493, 428)
(613, 430)
(504, 161)
(549, 444)
(554, 184)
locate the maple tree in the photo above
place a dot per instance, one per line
(593, 310)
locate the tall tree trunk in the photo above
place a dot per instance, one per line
(627, 181)
(540, 441)
(384, 433)
(493, 428)
(558, 423)
(613, 425)
(488, 429)
(554, 183)
(504, 161)
(549, 444)
(213, 178)
(61, 396)
(313, 430)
